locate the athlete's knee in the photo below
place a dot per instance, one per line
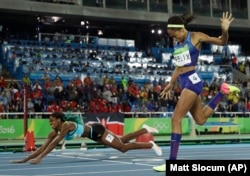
(200, 121)
(123, 149)
(122, 139)
(176, 120)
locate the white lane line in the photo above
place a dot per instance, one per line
(101, 172)
(106, 160)
(40, 166)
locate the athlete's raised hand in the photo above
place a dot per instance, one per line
(226, 20)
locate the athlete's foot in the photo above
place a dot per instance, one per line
(150, 129)
(156, 148)
(226, 88)
(161, 168)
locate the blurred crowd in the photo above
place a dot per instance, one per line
(107, 95)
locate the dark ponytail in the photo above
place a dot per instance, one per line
(183, 19)
(187, 17)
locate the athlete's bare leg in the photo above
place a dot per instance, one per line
(115, 142)
(133, 135)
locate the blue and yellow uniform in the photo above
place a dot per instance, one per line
(185, 54)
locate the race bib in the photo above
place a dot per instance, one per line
(109, 138)
(194, 78)
(182, 56)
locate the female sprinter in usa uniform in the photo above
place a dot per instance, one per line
(186, 52)
(67, 130)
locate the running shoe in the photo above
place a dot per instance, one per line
(161, 168)
(226, 88)
(156, 148)
(150, 129)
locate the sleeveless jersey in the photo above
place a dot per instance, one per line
(185, 54)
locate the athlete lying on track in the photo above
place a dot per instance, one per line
(66, 129)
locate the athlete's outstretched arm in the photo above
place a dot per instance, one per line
(52, 144)
(37, 152)
(226, 20)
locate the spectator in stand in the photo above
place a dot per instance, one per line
(72, 93)
(48, 85)
(150, 106)
(37, 94)
(53, 107)
(121, 95)
(107, 94)
(220, 108)
(58, 83)
(242, 67)
(161, 81)
(30, 106)
(88, 80)
(78, 82)
(234, 97)
(36, 85)
(144, 95)
(242, 108)
(88, 94)
(4, 101)
(248, 105)
(8, 93)
(45, 76)
(2, 116)
(92, 107)
(100, 82)
(106, 81)
(103, 105)
(26, 80)
(2, 83)
(112, 81)
(133, 93)
(124, 83)
(111, 107)
(234, 61)
(72, 106)
(126, 108)
(13, 84)
(114, 91)
(144, 110)
(39, 107)
(156, 107)
(151, 94)
(156, 91)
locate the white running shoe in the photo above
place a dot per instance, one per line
(150, 129)
(156, 148)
